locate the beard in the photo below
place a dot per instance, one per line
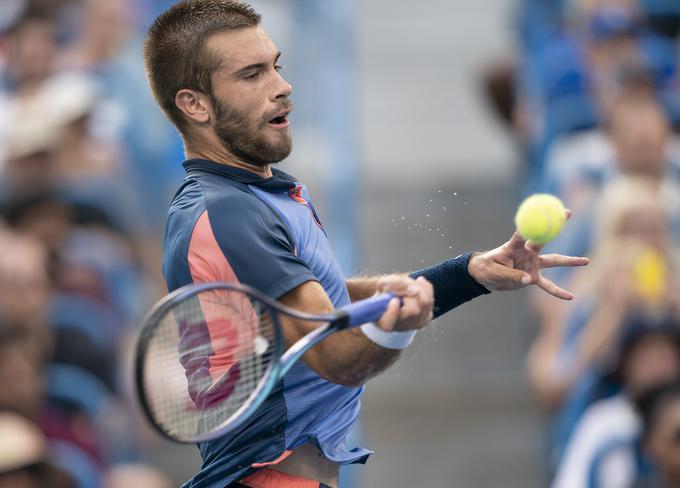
(252, 147)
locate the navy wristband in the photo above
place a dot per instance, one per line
(452, 283)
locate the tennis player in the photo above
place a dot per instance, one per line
(237, 218)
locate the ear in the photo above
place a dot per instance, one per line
(194, 105)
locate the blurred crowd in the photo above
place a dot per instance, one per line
(593, 101)
(87, 164)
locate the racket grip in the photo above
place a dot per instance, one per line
(368, 310)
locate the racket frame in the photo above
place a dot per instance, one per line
(281, 363)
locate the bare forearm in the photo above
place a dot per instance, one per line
(362, 287)
(452, 281)
(351, 359)
(347, 357)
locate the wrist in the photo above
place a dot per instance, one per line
(453, 283)
(388, 340)
(474, 266)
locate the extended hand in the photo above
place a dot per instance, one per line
(517, 264)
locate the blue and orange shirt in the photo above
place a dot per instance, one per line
(228, 224)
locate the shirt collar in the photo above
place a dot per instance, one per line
(279, 181)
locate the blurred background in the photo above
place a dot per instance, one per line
(418, 127)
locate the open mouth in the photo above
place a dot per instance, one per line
(279, 122)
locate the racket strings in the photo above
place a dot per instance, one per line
(207, 357)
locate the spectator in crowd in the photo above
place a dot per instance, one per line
(24, 282)
(105, 48)
(602, 451)
(634, 249)
(637, 141)
(602, 40)
(30, 49)
(660, 411)
(86, 145)
(595, 111)
(639, 135)
(28, 159)
(71, 271)
(127, 475)
(21, 369)
(635, 270)
(24, 457)
(104, 29)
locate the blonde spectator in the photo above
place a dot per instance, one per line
(634, 250)
(636, 140)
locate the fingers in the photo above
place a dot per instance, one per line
(516, 241)
(417, 302)
(551, 288)
(427, 287)
(417, 309)
(534, 247)
(398, 284)
(559, 260)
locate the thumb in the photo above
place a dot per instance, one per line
(389, 318)
(514, 277)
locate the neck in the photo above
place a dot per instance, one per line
(221, 155)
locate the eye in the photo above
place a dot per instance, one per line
(253, 76)
(278, 67)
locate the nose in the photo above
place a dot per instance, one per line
(283, 89)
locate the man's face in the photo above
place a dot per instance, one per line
(640, 136)
(250, 98)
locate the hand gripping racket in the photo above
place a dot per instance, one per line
(208, 355)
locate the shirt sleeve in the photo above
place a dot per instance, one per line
(245, 242)
(603, 422)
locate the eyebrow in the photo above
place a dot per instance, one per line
(255, 67)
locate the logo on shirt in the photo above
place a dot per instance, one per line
(296, 194)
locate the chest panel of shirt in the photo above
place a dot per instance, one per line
(311, 243)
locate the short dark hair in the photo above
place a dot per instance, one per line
(175, 56)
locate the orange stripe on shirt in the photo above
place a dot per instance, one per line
(207, 263)
(268, 478)
(275, 461)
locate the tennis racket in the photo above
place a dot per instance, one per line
(208, 355)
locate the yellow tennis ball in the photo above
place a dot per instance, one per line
(540, 218)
